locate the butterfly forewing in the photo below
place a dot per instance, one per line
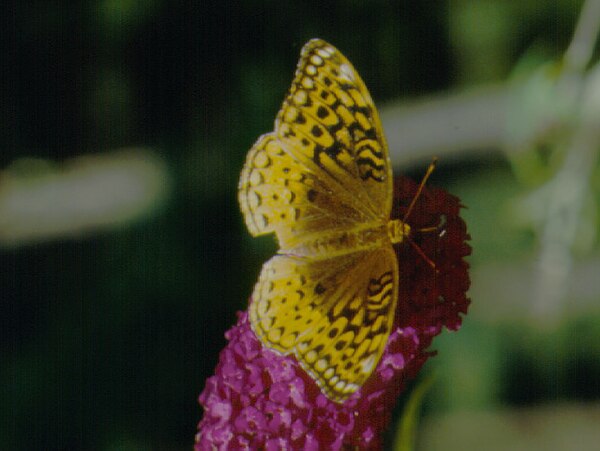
(330, 121)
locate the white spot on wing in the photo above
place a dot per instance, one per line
(346, 72)
(368, 364)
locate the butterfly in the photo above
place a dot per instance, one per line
(322, 182)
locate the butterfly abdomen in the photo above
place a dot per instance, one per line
(335, 243)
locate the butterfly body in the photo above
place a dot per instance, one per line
(322, 182)
(366, 237)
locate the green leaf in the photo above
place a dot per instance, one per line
(407, 427)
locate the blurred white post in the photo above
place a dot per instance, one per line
(42, 200)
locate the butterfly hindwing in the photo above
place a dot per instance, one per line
(279, 194)
(333, 314)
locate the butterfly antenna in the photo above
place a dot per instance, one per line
(430, 169)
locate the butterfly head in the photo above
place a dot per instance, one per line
(397, 230)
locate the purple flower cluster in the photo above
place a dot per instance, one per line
(259, 399)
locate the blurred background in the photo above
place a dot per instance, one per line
(124, 257)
